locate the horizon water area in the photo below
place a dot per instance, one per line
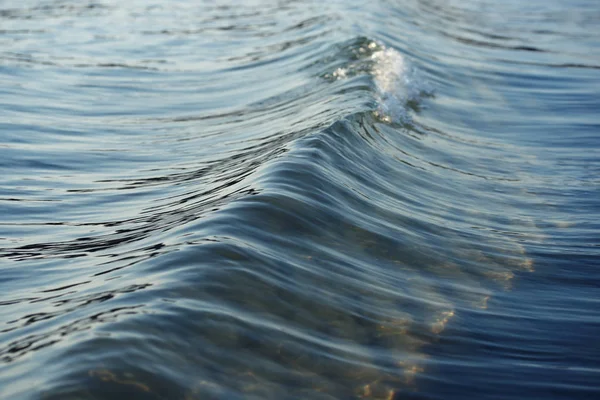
(277, 199)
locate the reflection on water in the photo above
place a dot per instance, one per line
(298, 200)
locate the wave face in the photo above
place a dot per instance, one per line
(279, 199)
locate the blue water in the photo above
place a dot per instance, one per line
(286, 200)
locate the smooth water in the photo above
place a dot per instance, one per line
(313, 199)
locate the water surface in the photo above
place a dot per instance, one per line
(279, 199)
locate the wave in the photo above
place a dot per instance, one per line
(317, 253)
(291, 207)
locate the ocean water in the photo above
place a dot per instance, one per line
(299, 199)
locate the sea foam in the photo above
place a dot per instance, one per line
(399, 85)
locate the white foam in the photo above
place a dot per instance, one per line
(398, 83)
(396, 80)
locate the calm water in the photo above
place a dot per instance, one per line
(300, 200)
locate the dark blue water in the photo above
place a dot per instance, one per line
(300, 200)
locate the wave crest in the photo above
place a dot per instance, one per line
(399, 85)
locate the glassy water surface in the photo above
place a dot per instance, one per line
(299, 199)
